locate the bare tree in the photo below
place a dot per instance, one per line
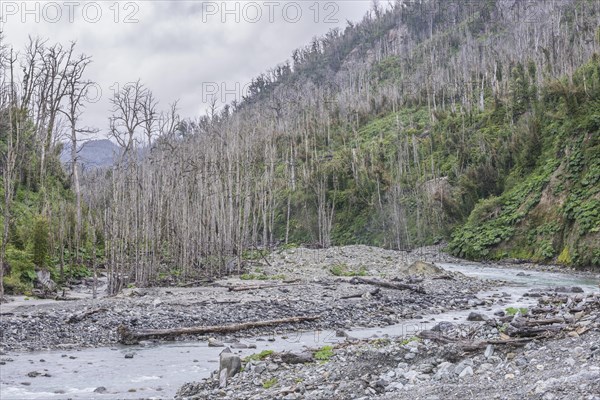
(14, 125)
(76, 91)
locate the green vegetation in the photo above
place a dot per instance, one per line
(500, 159)
(259, 356)
(255, 254)
(512, 311)
(411, 339)
(324, 353)
(380, 342)
(261, 277)
(344, 270)
(550, 208)
(269, 383)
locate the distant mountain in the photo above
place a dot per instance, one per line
(94, 153)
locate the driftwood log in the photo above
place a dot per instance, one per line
(83, 315)
(374, 292)
(470, 344)
(388, 285)
(258, 287)
(127, 336)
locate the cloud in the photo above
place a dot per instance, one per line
(176, 47)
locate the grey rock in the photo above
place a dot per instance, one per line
(474, 316)
(215, 343)
(443, 326)
(425, 368)
(521, 362)
(297, 358)
(489, 351)
(468, 371)
(462, 365)
(411, 376)
(230, 362)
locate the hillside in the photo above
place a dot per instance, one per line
(473, 123)
(424, 122)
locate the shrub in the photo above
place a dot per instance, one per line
(324, 354)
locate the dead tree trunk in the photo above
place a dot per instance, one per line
(387, 285)
(127, 336)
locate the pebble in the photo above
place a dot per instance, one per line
(489, 351)
(468, 371)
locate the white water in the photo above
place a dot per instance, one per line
(158, 371)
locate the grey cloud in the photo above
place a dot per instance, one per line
(174, 52)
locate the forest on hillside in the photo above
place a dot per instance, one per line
(472, 122)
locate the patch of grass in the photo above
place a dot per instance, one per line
(344, 270)
(256, 254)
(512, 311)
(380, 342)
(324, 354)
(259, 356)
(411, 339)
(261, 277)
(269, 383)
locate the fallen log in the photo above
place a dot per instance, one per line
(443, 277)
(81, 316)
(197, 283)
(258, 287)
(528, 331)
(374, 292)
(537, 322)
(472, 345)
(388, 285)
(127, 336)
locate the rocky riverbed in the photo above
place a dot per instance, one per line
(305, 282)
(348, 289)
(468, 360)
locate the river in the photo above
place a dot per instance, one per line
(157, 371)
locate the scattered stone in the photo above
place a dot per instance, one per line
(215, 343)
(468, 371)
(489, 351)
(475, 316)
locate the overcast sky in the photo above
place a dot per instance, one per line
(184, 50)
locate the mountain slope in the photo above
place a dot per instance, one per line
(553, 212)
(93, 153)
(472, 122)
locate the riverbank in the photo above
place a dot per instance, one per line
(332, 284)
(304, 282)
(450, 361)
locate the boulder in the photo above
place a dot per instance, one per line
(424, 269)
(43, 277)
(230, 363)
(297, 358)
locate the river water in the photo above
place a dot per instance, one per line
(157, 371)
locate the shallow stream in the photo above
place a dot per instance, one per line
(157, 371)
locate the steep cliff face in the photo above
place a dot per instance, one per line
(553, 212)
